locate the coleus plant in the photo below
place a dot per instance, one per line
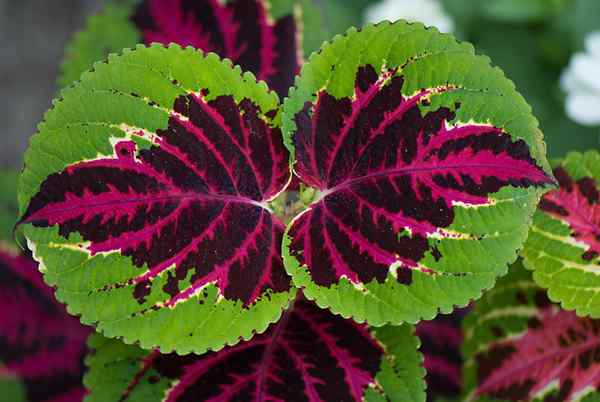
(149, 193)
(563, 247)
(42, 348)
(40, 344)
(519, 346)
(441, 340)
(262, 37)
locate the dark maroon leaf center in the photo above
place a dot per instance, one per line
(310, 355)
(192, 205)
(383, 167)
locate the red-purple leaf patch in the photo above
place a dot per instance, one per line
(383, 167)
(578, 204)
(563, 246)
(240, 30)
(440, 344)
(521, 347)
(168, 221)
(40, 343)
(309, 355)
(195, 200)
(406, 176)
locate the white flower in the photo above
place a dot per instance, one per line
(429, 12)
(581, 82)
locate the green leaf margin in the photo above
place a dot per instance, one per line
(108, 31)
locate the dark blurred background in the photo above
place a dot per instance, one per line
(33, 35)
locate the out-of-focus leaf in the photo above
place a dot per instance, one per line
(440, 344)
(106, 32)
(522, 10)
(242, 31)
(310, 355)
(8, 203)
(563, 246)
(39, 342)
(520, 347)
(578, 19)
(11, 389)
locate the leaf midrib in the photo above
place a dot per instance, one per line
(182, 197)
(572, 351)
(410, 170)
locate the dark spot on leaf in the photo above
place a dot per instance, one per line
(589, 255)
(492, 359)
(541, 299)
(497, 331)
(141, 290)
(534, 324)
(563, 178)
(549, 206)
(517, 391)
(521, 297)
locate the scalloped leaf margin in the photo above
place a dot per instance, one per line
(144, 198)
(423, 198)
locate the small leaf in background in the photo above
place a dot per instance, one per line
(40, 344)
(440, 344)
(578, 20)
(309, 355)
(563, 246)
(428, 166)
(518, 11)
(240, 30)
(521, 347)
(108, 31)
(145, 193)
